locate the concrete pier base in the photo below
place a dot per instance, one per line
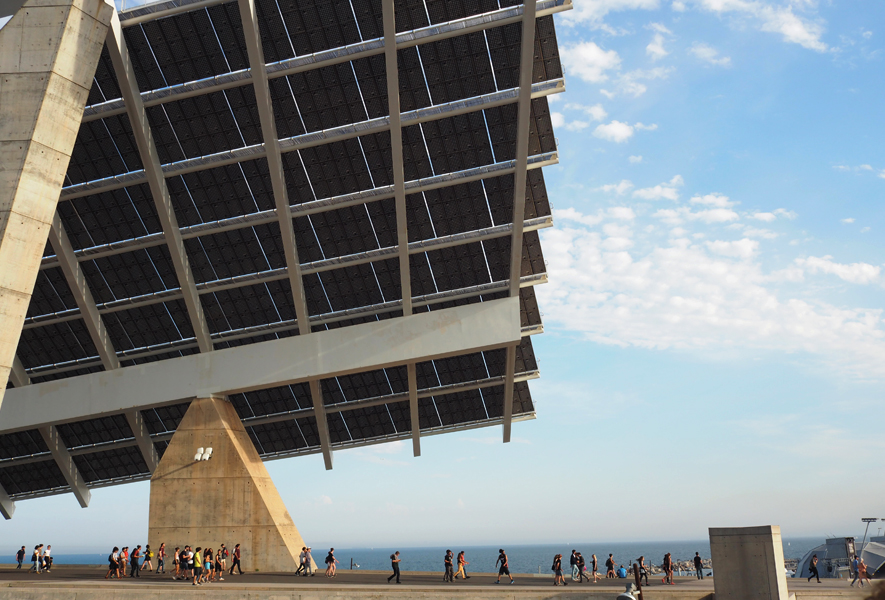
(748, 563)
(48, 53)
(227, 499)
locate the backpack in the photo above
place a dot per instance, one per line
(226, 553)
(111, 557)
(393, 557)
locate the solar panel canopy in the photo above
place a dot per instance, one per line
(204, 207)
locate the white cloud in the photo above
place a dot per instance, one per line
(787, 214)
(847, 221)
(662, 191)
(865, 229)
(592, 12)
(773, 19)
(767, 217)
(678, 6)
(865, 167)
(655, 48)
(614, 132)
(636, 159)
(629, 83)
(618, 213)
(557, 119)
(658, 27)
(644, 127)
(717, 200)
(709, 55)
(744, 248)
(867, 34)
(712, 298)
(589, 62)
(621, 188)
(677, 216)
(596, 112)
(624, 213)
(860, 273)
(760, 233)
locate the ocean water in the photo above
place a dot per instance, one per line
(523, 558)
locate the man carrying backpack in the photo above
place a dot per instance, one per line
(394, 563)
(133, 562)
(20, 557)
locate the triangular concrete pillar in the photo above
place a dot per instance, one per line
(228, 499)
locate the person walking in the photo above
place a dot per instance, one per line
(161, 559)
(20, 557)
(573, 563)
(594, 563)
(301, 560)
(236, 561)
(113, 566)
(643, 571)
(449, 575)
(581, 568)
(198, 565)
(858, 575)
(610, 567)
(698, 566)
(37, 567)
(133, 562)
(668, 569)
(123, 562)
(864, 572)
(176, 563)
(462, 566)
(330, 563)
(812, 568)
(224, 554)
(308, 569)
(148, 559)
(557, 570)
(188, 562)
(47, 559)
(504, 569)
(394, 563)
(219, 567)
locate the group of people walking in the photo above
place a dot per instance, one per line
(198, 565)
(582, 572)
(449, 562)
(41, 559)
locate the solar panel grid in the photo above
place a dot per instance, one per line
(110, 216)
(249, 306)
(207, 124)
(298, 187)
(104, 82)
(337, 324)
(21, 443)
(70, 371)
(32, 477)
(51, 293)
(144, 271)
(529, 312)
(272, 401)
(240, 338)
(416, 164)
(459, 407)
(236, 252)
(185, 348)
(149, 325)
(118, 463)
(104, 148)
(95, 431)
(443, 11)
(413, 92)
(362, 285)
(410, 14)
(55, 343)
(369, 422)
(337, 168)
(316, 25)
(221, 193)
(457, 68)
(522, 398)
(164, 419)
(320, 99)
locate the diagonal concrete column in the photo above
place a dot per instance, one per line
(48, 53)
(227, 499)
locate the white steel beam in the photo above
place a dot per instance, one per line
(354, 349)
(144, 139)
(76, 279)
(7, 506)
(399, 193)
(143, 439)
(523, 116)
(319, 412)
(263, 100)
(65, 462)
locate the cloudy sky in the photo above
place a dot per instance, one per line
(714, 351)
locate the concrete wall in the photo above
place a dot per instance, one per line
(48, 53)
(748, 563)
(228, 499)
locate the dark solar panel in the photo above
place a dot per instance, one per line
(104, 83)
(95, 431)
(459, 408)
(51, 293)
(282, 436)
(104, 147)
(457, 68)
(21, 443)
(344, 167)
(316, 25)
(186, 350)
(354, 229)
(353, 287)
(207, 124)
(504, 45)
(31, 477)
(410, 14)
(458, 143)
(413, 92)
(55, 343)
(369, 18)
(369, 422)
(67, 373)
(236, 252)
(528, 307)
(131, 274)
(448, 210)
(149, 325)
(110, 216)
(187, 46)
(525, 356)
(111, 464)
(442, 11)
(164, 419)
(249, 306)
(272, 401)
(522, 398)
(220, 193)
(500, 122)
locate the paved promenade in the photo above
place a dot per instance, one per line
(88, 582)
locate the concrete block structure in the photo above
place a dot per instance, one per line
(324, 211)
(748, 563)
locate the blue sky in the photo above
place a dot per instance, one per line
(714, 350)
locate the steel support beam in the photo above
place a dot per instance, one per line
(143, 439)
(274, 160)
(18, 375)
(76, 279)
(153, 171)
(355, 349)
(319, 411)
(7, 506)
(523, 116)
(65, 462)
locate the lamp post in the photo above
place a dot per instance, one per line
(866, 520)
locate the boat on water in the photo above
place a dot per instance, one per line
(835, 555)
